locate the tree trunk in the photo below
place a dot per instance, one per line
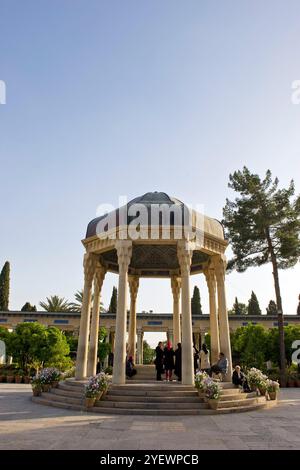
(279, 312)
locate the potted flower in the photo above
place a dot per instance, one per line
(55, 377)
(26, 379)
(200, 378)
(36, 386)
(103, 382)
(45, 377)
(272, 389)
(262, 387)
(19, 376)
(91, 392)
(212, 393)
(256, 379)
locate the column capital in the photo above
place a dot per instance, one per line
(124, 252)
(133, 282)
(210, 277)
(100, 272)
(89, 266)
(184, 254)
(219, 264)
(176, 286)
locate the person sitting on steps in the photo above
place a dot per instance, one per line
(130, 370)
(239, 379)
(221, 367)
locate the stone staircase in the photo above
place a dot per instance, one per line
(151, 398)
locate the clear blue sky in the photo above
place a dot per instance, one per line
(109, 98)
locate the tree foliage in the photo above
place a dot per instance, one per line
(113, 301)
(148, 353)
(272, 308)
(54, 303)
(253, 305)
(196, 302)
(27, 307)
(4, 287)
(238, 308)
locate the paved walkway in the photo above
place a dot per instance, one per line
(25, 425)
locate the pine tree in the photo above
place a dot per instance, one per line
(298, 308)
(4, 287)
(113, 301)
(253, 305)
(27, 307)
(196, 302)
(263, 225)
(272, 308)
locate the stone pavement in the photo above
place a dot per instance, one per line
(25, 425)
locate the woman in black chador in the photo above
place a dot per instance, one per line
(169, 360)
(159, 360)
(178, 366)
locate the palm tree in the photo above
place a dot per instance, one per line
(77, 306)
(54, 303)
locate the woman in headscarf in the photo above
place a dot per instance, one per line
(169, 360)
(204, 363)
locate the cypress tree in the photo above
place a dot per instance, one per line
(253, 305)
(196, 302)
(4, 287)
(113, 301)
(298, 308)
(272, 308)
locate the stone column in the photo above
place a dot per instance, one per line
(184, 253)
(219, 263)
(93, 349)
(213, 315)
(112, 341)
(89, 265)
(124, 251)
(139, 358)
(133, 288)
(197, 341)
(176, 285)
(170, 336)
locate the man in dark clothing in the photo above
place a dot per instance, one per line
(159, 360)
(239, 379)
(178, 362)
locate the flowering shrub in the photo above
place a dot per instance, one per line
(92, 388)
(200, 377)
(212, 389)
(49, 375)
(256, 378)
(102, 380)
(36, 382)
(272, 386)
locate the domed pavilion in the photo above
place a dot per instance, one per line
(153, 236)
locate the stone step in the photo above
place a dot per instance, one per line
(152, 399)
(239, 409)
(67, 392)
(70, 388)
(151, 406)
(147, 412)
(238, 403)
(56, 404)
(153, 393)
(65, 398)
(166, 387)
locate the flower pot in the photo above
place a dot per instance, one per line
(10, 379)
(36, 392)
(18, 379)
(26, 379)
(290, 383)
(213, 404)
(253, 388)
(297, 383)
(89, 402)
(1, 378)
(273, 395)
(55, 384)
(262, 391)
(201, 394)
(46, 387)
(99, 395)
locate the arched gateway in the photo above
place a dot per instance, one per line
(153, 236)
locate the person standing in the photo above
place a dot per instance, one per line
(178, 363)
(204, 362)
(159, 360)
(169, 360)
